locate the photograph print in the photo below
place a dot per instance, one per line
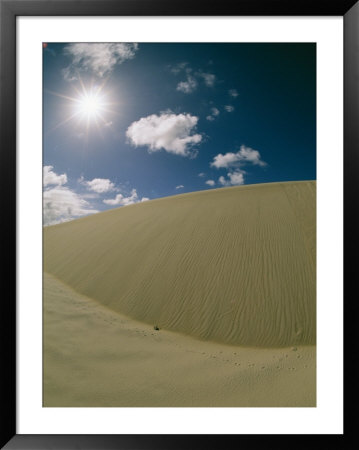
(179, 224)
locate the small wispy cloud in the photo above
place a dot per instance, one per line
(180, 186)
(167, 131)
(234, 162)
(233, 93)
(99, 185)
(51, 178)
(122, 200)
(99, 59)
(208, 78)
(214, 113)
(192, 78)
(60, 203)
(229, 108)
(233, 178)
(178, 68)
(210, 182)
(202, 174)
(187, 86)
(245, 155)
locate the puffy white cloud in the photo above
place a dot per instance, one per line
(121, 200)
(233, 162)
(243, 156)
(167, 131)
(234, 178)
(51, 178)
(97, 58)
(61, 204)
(210, 182)
(229, 108)
(233, 93)
(180, 186)
(187, 86)
(100, 185)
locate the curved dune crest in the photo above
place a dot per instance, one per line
(234, 265)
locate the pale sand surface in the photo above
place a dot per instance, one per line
(96, 357)
(232, 265)
(228, 275)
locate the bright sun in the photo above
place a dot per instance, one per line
(90, 105)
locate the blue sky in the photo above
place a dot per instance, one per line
(125, 123)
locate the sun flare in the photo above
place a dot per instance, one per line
(90, 105)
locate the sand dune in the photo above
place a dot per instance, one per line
(95, 357)
(234, 265)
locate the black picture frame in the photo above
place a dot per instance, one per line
(9, 10)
